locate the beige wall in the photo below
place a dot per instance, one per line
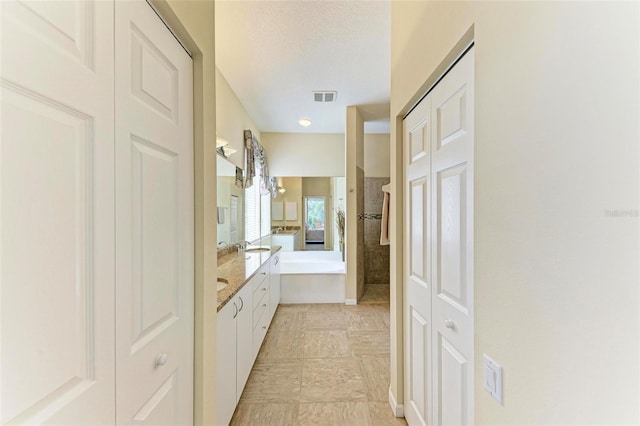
(193, 22)
(354, 140)
(376, 155)
(321, 187)
(556, 149)
(305, 154)
(293, 193)
(232, 120)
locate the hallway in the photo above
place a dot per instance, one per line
(324, 364)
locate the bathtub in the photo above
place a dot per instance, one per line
(312, 277)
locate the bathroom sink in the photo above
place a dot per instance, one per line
(222, 283)
(257, 249)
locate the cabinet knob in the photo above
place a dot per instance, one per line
(264, 305)
(264, 289)
(161, 359)
(449, 324)
(263, 273)
(264, 327)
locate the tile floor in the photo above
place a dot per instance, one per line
(325, 364)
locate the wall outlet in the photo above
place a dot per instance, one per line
(492, 378)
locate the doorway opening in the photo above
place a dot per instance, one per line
(314, 223)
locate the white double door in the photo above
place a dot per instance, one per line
(438, 270)
(96, 216)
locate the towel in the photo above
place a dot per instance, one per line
(384, 224)
(220, 215)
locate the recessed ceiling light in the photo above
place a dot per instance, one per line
(304, 122)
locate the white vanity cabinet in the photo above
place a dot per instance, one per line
(288, 241)
(274, 278)
(234, 360)
(242, 326)
(261, 298)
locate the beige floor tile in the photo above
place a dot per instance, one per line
(375, 374)
(324, 307)
(370, 320)
(282, 345)
(319, 320)
(335, 413)
(265, 414)
(293, 307)
(273, 381)
(369, 343)
(381, 415)
(287, 320)
(326, 344)
(332, 380)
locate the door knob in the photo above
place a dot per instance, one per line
(161, 359)
(449, 324)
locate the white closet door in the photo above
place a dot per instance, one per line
(154, 221)
(56, 214)
(417, 306)
(452, 244)
(438, 323)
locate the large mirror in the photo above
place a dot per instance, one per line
(303, 215)
(230, 204)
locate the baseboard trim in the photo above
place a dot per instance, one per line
(397, 409)
(350, 302)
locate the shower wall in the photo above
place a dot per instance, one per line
(376, 257)
(361, 257)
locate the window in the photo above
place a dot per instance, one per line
(265, 215)
(257, 212)
(252, 211)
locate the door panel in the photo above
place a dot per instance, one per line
(419, 348)
(453, 390)
(452, 166)
(452, 249)
(417, 332)
(154, 221)
(439, 252)
(163, 407)
(56, 224)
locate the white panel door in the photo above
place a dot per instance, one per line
(154, 221)
(417, 304)
(452, 244)
(438, 323)
(56, 213)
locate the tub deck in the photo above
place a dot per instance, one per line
(312, 277)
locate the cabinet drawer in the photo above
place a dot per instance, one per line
(260, 292)
(260, 331)
(260, 276)
(260, 306)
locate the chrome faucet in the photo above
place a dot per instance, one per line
(242, 245)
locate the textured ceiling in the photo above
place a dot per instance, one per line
(274, 54)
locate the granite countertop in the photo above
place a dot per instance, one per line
(286, 232)
(238, 268)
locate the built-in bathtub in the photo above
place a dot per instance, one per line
(312, 277)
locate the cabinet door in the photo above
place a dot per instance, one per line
(244, 330)
(226, 397)
(275, 284)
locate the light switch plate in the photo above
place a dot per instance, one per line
(492, 377)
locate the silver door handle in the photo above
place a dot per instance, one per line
(235, 310)
(449, 324)
(241, 301)
(161, 359)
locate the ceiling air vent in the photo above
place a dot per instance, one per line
(325, 96)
